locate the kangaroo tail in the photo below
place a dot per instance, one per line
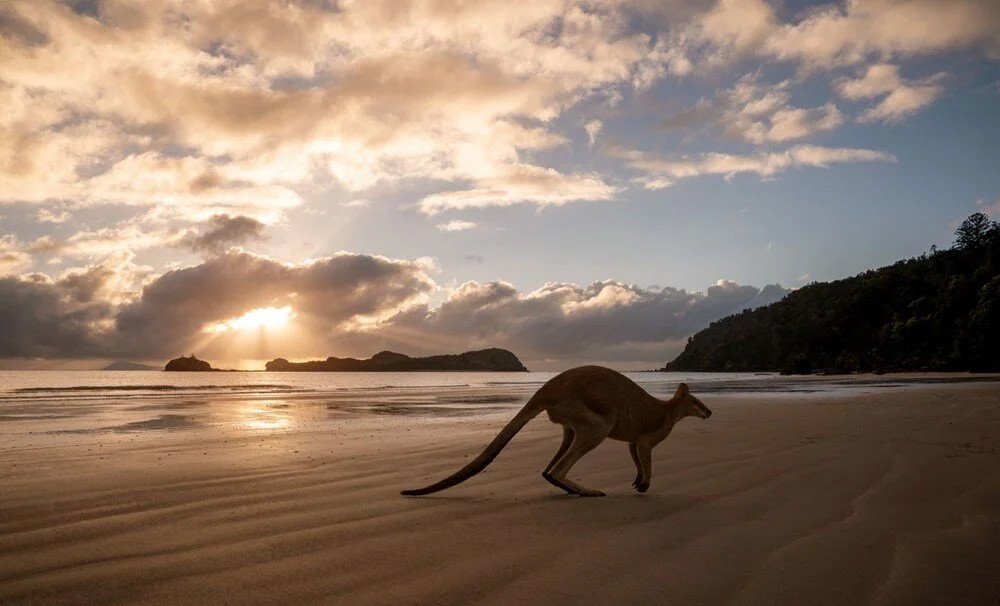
(529, 412)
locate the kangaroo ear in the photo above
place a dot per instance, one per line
(682, 390)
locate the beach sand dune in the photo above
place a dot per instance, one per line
(886, 498)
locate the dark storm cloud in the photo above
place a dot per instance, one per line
(40, 318)
(325, 293)
(84, 286)
(223, 231)
(74, 316)
(352, 304)
(605, 321)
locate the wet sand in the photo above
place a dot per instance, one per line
(890, 497)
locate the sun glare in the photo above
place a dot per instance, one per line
(262, 317)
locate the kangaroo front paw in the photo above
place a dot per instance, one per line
(641, 486)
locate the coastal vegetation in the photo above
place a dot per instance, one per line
(939, 311)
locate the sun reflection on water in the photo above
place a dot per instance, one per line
(264, 417)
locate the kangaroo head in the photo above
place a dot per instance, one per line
(690, 406)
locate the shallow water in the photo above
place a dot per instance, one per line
(79, 403)
(24, 383)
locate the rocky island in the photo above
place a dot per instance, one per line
(126, 365)
(189, 364)
(494, 359)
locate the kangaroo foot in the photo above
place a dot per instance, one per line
(571, 487)
(551, 480)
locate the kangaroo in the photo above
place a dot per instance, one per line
(591, 403)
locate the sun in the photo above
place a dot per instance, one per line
(261, 317)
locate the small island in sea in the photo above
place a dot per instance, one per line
(493, 359)
(188, 364)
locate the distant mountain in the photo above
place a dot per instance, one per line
(124, 365)
(387, 361)
(940, 311)
(191, 364)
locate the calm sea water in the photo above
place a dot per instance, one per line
(68, 405)
(79, 403)
(22, 385)
(64, 386)
(72, 405)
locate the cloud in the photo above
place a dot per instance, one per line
(131, 235)
(12, 257)
(222, 232)
(38, 320)
(148, 231)
(758, 113)
(731, 28)
(663, 172)
(593, 128)
(521, 184)
(114, 280)
(69, 316)
(796, 123)
(836, 34)
(348, 304)
(46, 215)
(879, 79)
(244, 107)
(846, 35)
(902, 102)
(191, 187)
(326, 294)
(900, 98)
(456, 225)
(98, 311)
(607, 321)
(655, 183)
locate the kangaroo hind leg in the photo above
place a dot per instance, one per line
(638, 464)
(584, 440)
(566, 441)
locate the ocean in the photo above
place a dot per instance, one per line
(67, 404)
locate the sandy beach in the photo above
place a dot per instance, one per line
(888, 497)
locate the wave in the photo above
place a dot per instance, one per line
(397, 387)
(525, 383)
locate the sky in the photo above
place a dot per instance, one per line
(578, 182)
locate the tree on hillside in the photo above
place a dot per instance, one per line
(984, 326)
(976, 231)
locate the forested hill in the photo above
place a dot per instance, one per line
(940, 311)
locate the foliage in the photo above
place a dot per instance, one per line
(976, 231)
(937, 312)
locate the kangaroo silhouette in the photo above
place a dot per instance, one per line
(591, 403)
